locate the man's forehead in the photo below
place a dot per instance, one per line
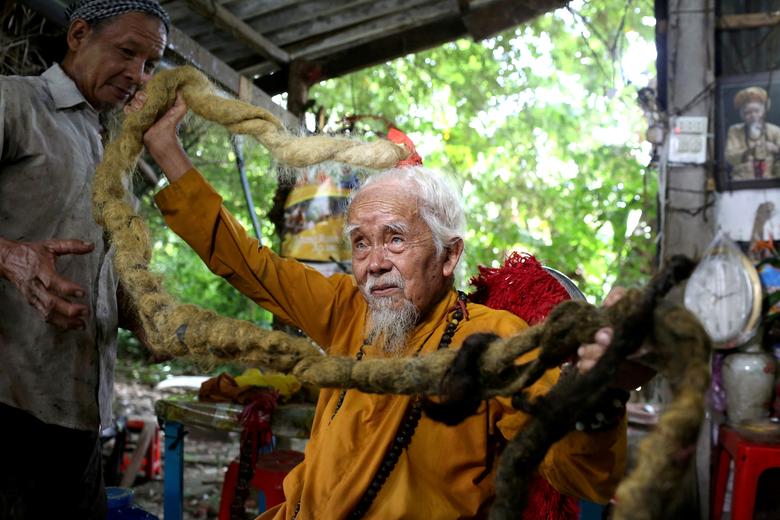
(377, 208)
(401, 226)
(140, 29)
(93, 11)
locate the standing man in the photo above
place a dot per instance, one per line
(58, 293)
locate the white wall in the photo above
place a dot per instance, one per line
(736, 210)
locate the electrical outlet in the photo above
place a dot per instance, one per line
(690, 125)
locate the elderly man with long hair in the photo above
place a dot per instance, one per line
(378, 456)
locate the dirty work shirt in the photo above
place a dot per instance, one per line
(444, 473)
(49, 148)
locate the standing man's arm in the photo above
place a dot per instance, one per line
(30, 266)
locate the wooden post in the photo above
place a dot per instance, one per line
(297, 98)
(686, 192)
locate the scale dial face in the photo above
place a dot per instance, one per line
(724, 292)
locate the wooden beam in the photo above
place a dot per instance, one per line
(397, 23)
(260, 69)
(373, 52)
(731, 22)
(236, 27)
(311, 19)
(307, 11)
(246, 9)
(491, 18)
(350, 16)
(305, 21)
(187, 50)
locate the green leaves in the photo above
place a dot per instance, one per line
(540, 128)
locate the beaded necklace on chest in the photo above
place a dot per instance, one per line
(407, 426)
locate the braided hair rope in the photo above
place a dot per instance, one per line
(181, 329)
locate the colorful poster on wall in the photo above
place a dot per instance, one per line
(314, 215)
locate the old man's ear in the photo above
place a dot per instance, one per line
(78, 31)
(451, 257)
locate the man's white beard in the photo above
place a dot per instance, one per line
(755, 130)
(388, 327)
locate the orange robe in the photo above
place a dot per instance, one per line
(443, 473)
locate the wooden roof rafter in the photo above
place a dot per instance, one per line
(339, 36)
(263, 39)
(243, 32)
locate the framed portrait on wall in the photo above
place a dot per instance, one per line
(748, 131)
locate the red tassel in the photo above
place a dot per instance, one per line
(398, 137)
(547, 503)
(521, 286)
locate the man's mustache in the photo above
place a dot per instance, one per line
(387, 279)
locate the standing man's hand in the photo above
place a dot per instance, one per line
(30, 266)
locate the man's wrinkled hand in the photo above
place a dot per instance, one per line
(30, 266)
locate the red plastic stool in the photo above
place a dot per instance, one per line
(269, 473)
(151, 465)
(750, 460)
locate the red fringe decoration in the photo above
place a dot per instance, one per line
(522, 287)
(547, 503)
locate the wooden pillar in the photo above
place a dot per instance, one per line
(297, 99)
(687, 191)
(298, 88)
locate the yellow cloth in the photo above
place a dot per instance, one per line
(438, 476)
(285, 384)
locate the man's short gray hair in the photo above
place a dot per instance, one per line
(93, 11)
(440, 205)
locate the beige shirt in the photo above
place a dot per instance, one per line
(49, 148)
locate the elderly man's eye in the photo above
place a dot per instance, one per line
(396, 243)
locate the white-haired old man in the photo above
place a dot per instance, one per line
(376, 456)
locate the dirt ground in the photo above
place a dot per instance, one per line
(206, 456)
